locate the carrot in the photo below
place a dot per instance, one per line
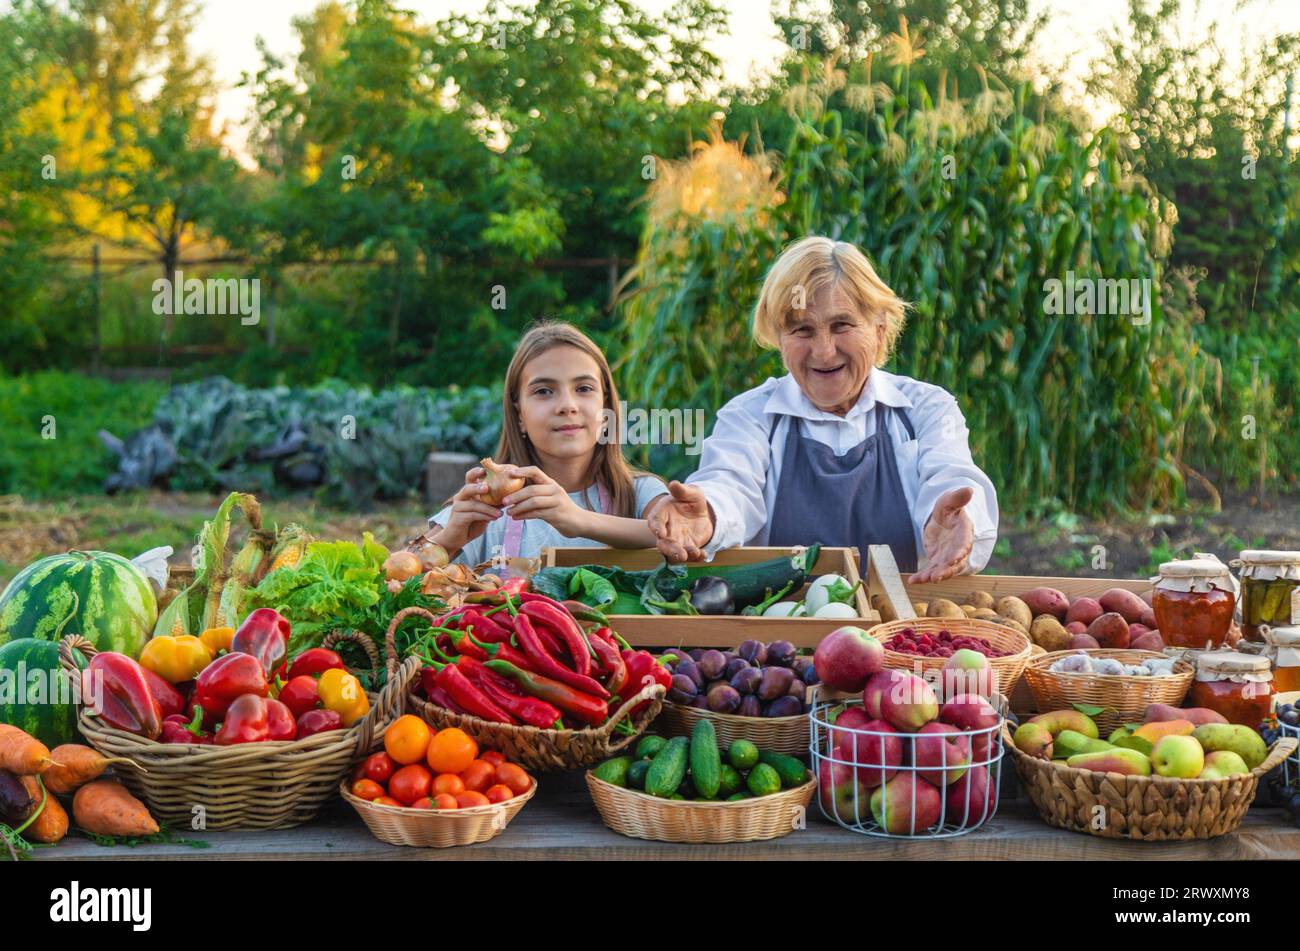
(74, 766)
(51, 823)
(104, 807)
(22, 753)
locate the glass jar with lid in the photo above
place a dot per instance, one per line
(1269, 580)
(1235, 684)
(1283, 649)
(1193, 602)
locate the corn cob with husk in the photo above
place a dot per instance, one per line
(290, 546)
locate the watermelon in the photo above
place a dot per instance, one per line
(101, 596)
(34, 694)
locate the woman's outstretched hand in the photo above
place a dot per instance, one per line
(681, 522)
(948, 537)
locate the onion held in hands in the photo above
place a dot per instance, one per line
(499, 485)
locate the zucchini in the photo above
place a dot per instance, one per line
(751, 584)
(792, 772)
(706, 761)
(667, 769)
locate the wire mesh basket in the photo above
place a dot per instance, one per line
(937, 783)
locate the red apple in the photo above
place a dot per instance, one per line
(967, 671)
(877, 685)
(971, 799)
(906, 806)
(875, 757)
(841, 795)
(944, 751)
(908, 703)
(971, 712)
(846, 657)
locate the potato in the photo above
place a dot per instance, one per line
(986, 614)
(942, 607)
(968, 609)
(920, 608)
(1150, 641)
(1076, 627)
(1084, 610)
(1124, 603)
(1110, 630)
(980, 599)
(1014, 625)
(1083, 642)
(1047, 601)
(883, 607)
(1017, 610)
(1048, 633)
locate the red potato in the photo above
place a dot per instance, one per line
(1123, 602)
(1148, 618)
(1110, 630)
(1047, 601)
(1084, 610)
(1137, 630)
(1148, 641)
(1083, 642)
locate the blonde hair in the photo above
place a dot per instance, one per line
(607, 463)
(814, 263)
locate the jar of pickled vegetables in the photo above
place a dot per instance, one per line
(1283, 649)
(1269, 580)
(1239, 686)
(1193, 602)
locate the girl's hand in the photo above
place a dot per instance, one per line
(470, 516)
(546, 499)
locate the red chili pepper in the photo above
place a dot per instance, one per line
(642, 670)
(610, 658)
(503, 652)
(229, 676)
(468, 696)
(300, 695)
(313, 662)
(549, 614)
(464, 645)
(574, 702)
(169, 698)
(318, 721)
(252, 718)
(529, 710)
(436, 694)
(176, 729)
(117, 691)
(486, 628)
(265, 635)
(547, 665)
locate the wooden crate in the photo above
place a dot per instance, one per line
(721, 631)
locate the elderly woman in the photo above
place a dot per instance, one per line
(838, 451)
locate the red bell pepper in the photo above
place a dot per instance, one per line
(169, 698)
(548, 666)
(642, 670)
(252, 718)
(229, 676)
(570, 700)
(300, 695)
(116, 690)
(265, 635)
(313, 662)
(176, 729)
(318, 721)
(561, 623)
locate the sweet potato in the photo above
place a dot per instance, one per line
(74, 766)
(1110, 630)
(1047, 601)
(104, 807)
(1123, 602)
(22, 753)
(1084, 610)
(51, 823)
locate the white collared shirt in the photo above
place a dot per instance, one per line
(740, 470)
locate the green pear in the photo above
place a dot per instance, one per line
(1222, 764)
(1118, 760)
(1234, 738)
(1072, 743)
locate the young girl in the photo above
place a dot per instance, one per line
(580, 489)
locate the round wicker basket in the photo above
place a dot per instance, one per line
(1149, 808)
(1123, 699)
(1006, 670)
(643, 816)
(530, 747)
(271, 785)
(436, 828)
(787, 735)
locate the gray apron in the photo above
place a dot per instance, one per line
(853, 500)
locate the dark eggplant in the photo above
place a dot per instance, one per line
(712, 665)
(16, 803)
(723, 698)
(711, 595)
(781, 653)
(735, 666)
(753, 651)
(776, 682)
(786, 706)
(750, 706)
(746, 681)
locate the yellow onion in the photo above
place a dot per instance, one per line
(499, 484)
(401, 566)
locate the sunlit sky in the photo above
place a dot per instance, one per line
(228, 30)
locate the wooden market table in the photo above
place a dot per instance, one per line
(562, 823)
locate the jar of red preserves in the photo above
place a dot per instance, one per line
(1238, 686)
(1193, 602)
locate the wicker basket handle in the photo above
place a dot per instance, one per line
(648, 692)
(387, 708)
(1280, 750)
(367, 644)
(390, 637)
(70, 643)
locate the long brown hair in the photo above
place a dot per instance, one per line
(607, 463)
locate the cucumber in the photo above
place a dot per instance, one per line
(648, 746)
(668, 768)
(792, 772)
(737, 796)
(614, 770)
(763, 780)
(732, 782)
(742, 754)
(750, 584)
(706, 762)
(636, 774)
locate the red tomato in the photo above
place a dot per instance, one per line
(358, 772)
(425, 803)
(478, 775)
(445, 801)
(410, 783)
(509, 774)
(367, 789)
(386, 801)
(493, 757)
(469, 799)
(448, 783)
(379, 767)
(499, 793)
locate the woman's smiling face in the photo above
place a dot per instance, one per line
(830, 349)
(561, 402)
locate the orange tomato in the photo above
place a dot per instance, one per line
(499, 793)
(509, 774)
(493, 757)
(407, 739)
(367, 789)
(448, 783)
(450, 750)
(478, 775)
(469, 799)
(445, 801)
(386, 801)
(425, 803)
(410, 783)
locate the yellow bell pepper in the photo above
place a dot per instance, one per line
(341, 692)
(175, 659)
(218, 639)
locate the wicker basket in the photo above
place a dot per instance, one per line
(436, 828)
(643, 816)
(272, 785)
(787, 735)
(1006, 670)
(536, 749)
(1124, 699)
(1148, 808)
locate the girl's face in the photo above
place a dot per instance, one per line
(562, 403)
